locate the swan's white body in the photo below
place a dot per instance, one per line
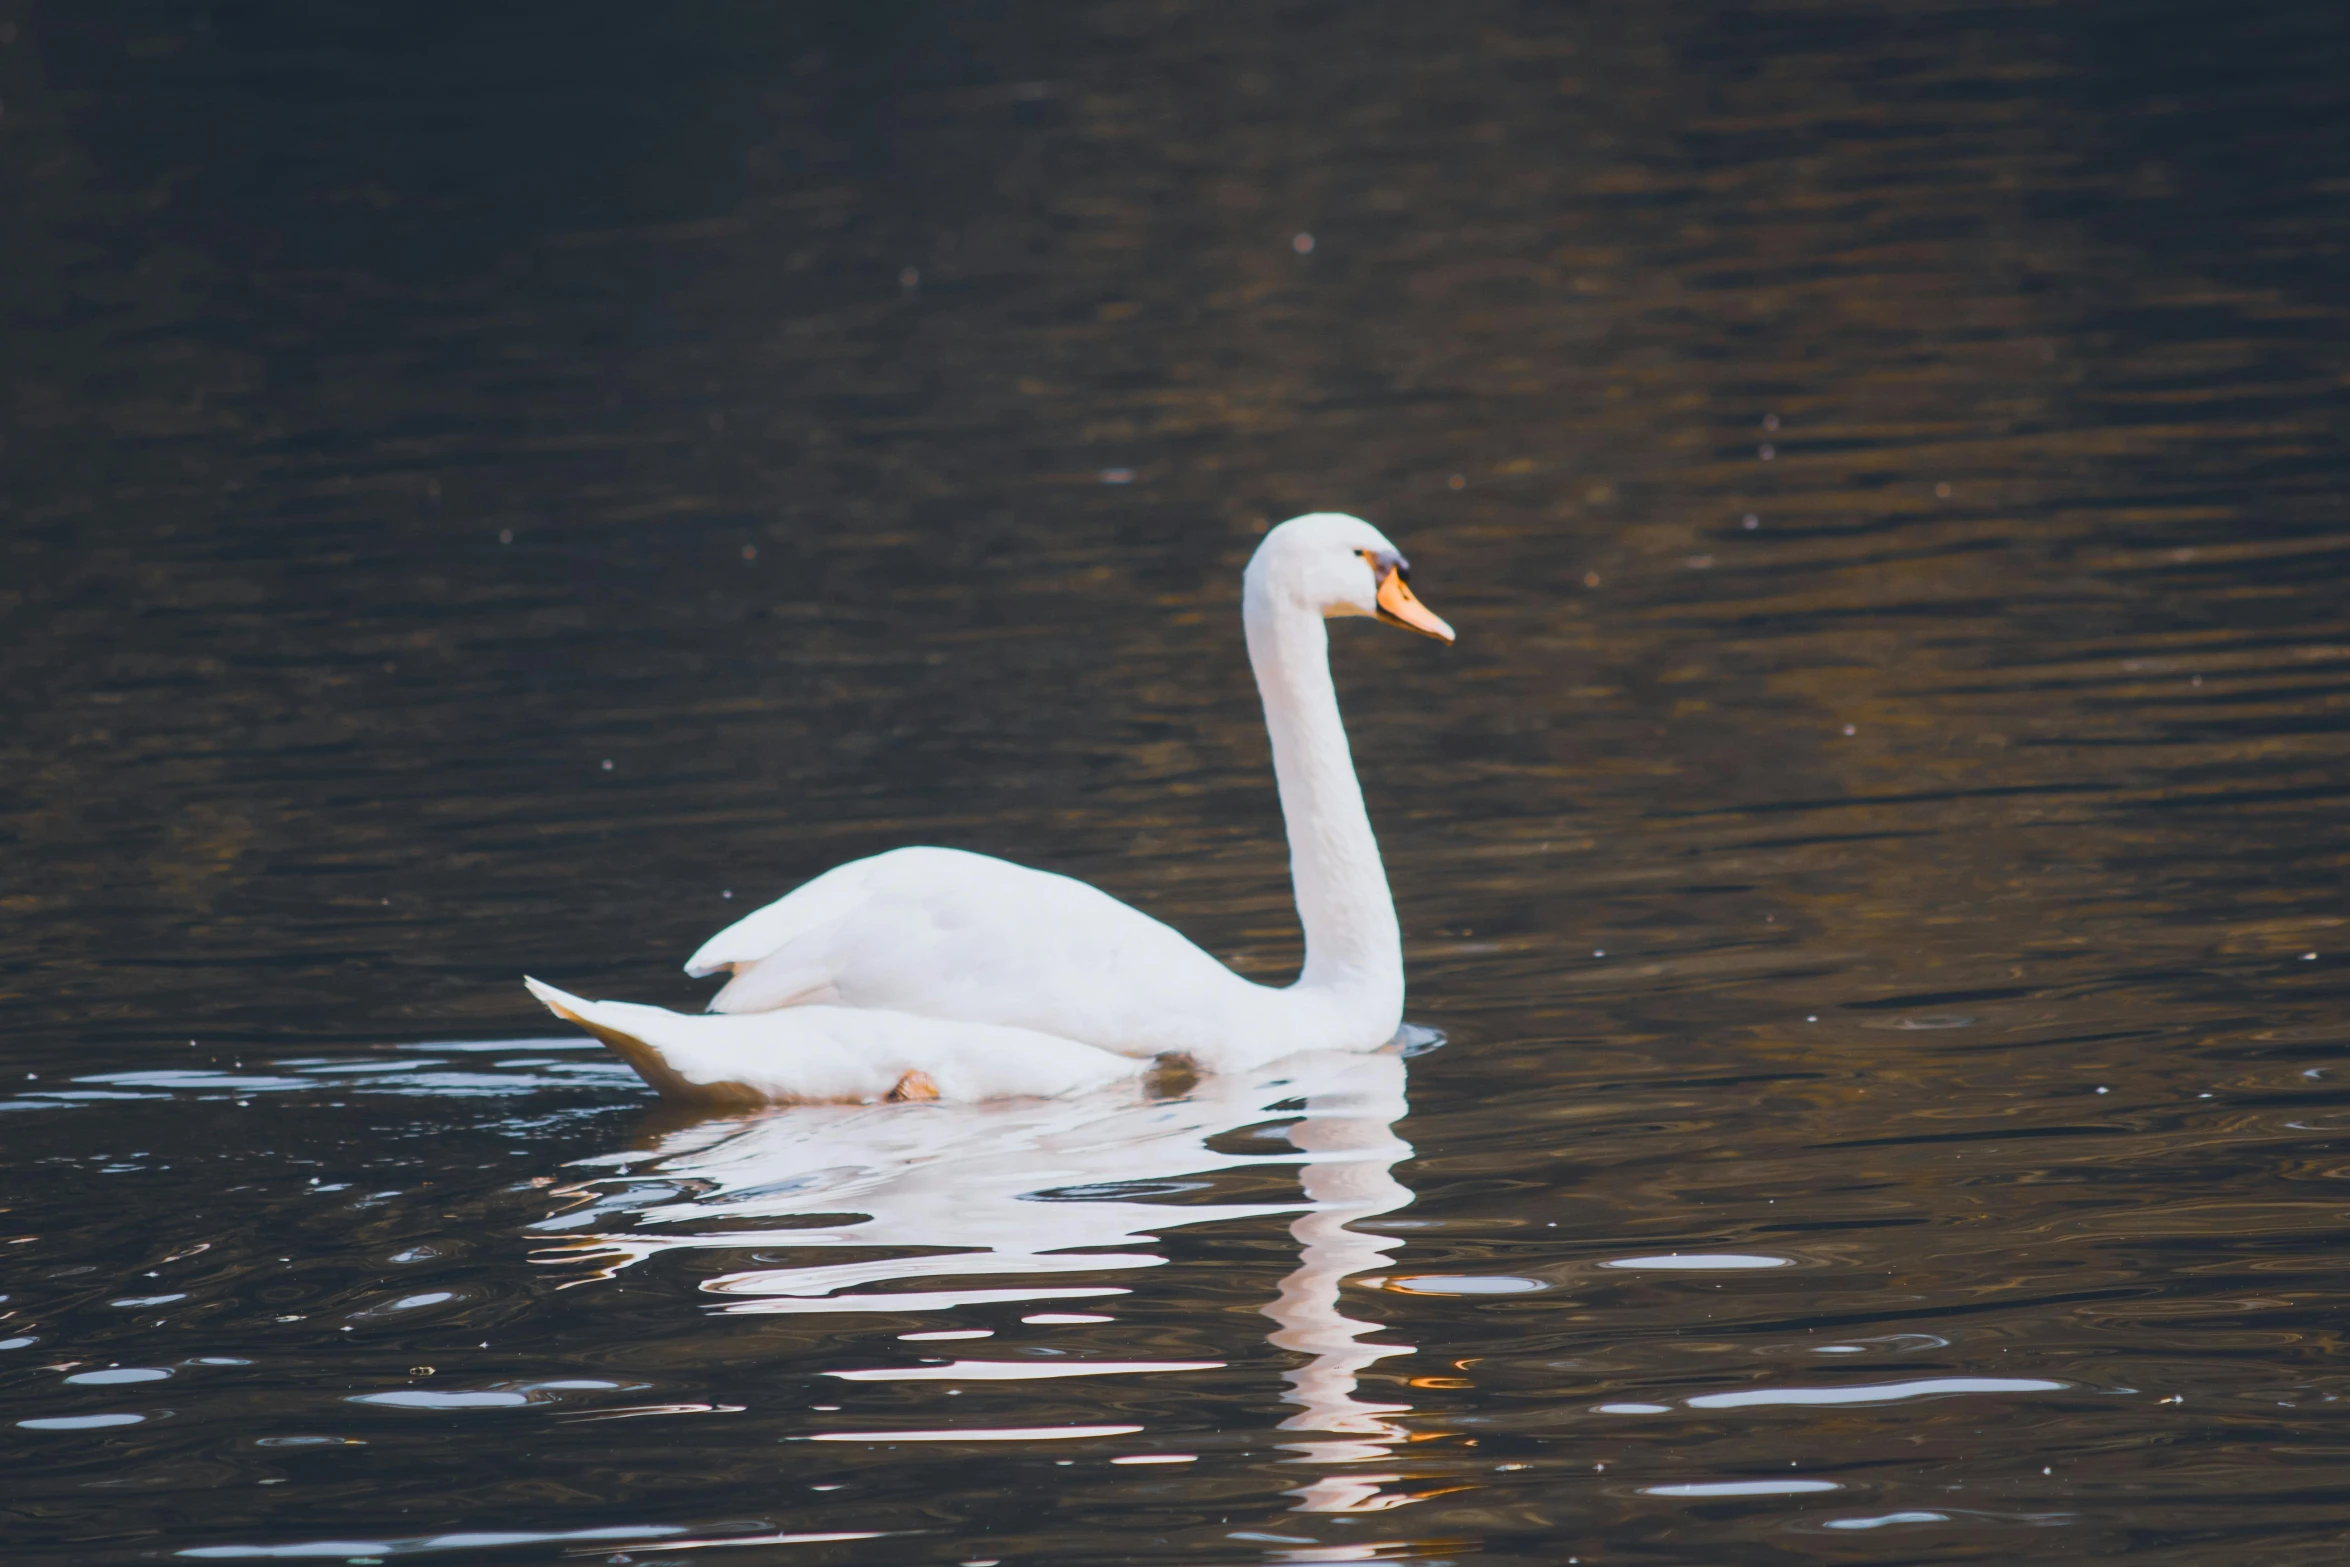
(971, 977)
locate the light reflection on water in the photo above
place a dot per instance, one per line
(1040, 1189)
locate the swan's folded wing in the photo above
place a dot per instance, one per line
(831, 897)
(947, 934)
(792, 952)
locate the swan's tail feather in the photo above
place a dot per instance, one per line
(645, 1058)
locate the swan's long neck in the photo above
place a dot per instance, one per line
(1352, 944)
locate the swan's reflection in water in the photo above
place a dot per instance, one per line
(962, 1198)
(1347, 1138)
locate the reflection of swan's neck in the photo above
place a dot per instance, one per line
(1352, 944)
(1348, 1136)
(1358, 1186)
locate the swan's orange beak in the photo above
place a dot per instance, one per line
(1399, 606)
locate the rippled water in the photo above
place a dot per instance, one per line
(510, 487)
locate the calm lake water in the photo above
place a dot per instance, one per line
(508, 487)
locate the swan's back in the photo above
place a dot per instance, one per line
(949, 934)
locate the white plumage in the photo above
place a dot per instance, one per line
(935, 973)
(833, 1054)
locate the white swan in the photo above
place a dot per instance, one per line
(938, 974)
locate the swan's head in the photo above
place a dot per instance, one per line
(1330, 564)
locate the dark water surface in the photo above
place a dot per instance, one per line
(486, 483)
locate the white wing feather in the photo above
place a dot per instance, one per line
(946, 934)
(809, 906)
